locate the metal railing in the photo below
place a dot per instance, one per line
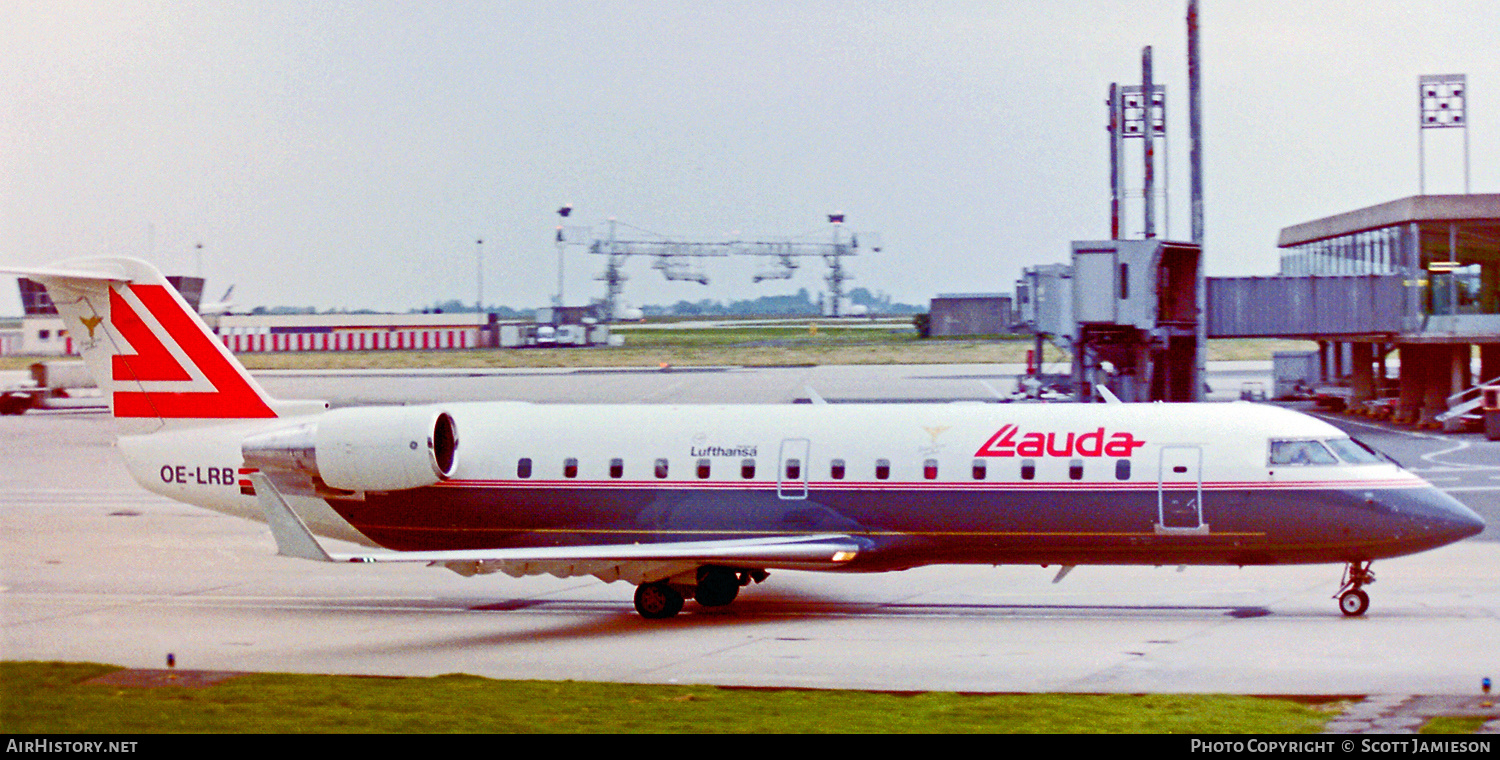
(1458, 405)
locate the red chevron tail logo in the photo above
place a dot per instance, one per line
(207, 385)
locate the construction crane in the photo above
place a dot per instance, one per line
(673, 259)
(787, 254)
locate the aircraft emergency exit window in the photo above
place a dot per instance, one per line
(616, 468)
(882, 469)
(1300, 453)
(979, 469)
(836, 469)
(703, 468)
(793, 469)
(747, 468)
(1028, 469)
(523, 467)
(570, 468)
(661, 468)
(1075, 469)
(1351, 452)
(1122, 469)
(929, 469)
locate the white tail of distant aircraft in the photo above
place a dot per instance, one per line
(219, 307)
(699, 501)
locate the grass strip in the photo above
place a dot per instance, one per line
(1454, 724)
(51, 697)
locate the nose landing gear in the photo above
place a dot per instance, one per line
(1353, 601)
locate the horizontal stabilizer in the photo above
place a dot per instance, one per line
(104, 272)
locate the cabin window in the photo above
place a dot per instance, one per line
(882, 469)
(570, 468)
(1075, 469)
(703, 468)
(616, 468)
(523, 467)
(661, 468)
(929, 469)
(1122, 469)
(1300, 453)
(836, 469)
(979, 469)
(1352, 451)
(1028, 469)
(793, 469)
(747, 468)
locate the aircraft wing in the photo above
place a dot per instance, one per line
(821, 551)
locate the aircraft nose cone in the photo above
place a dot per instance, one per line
(1448, 518)
(1468, 524)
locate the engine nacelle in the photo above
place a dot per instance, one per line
(385, 448)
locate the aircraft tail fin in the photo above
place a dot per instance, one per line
(152, 356)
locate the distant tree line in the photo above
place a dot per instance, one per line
(798, 304)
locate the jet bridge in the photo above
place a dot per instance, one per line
(1136, 307)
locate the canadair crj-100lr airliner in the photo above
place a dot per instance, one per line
(699, 501)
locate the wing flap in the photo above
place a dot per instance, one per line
(770, 551)
(811, 551)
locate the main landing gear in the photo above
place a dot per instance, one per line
(1353, 601)
(716, 587)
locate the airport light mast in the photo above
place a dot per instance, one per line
(1441, 98)
(562, 213)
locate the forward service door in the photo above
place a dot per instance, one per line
(1179, 491)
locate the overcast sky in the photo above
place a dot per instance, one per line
(349, 154)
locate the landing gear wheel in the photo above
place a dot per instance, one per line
(657, 601)
(717, 586)
(1353, 603)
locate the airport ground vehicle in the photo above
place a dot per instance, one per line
(54, 384)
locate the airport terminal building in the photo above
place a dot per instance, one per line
(1418, 276)
(41, 331)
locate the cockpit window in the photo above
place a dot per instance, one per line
(1300, 453)
(1352, 451)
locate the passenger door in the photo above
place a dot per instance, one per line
(1179, 490)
